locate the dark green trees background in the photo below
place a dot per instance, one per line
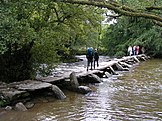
(136, 27)
(36, 35)
(130, 31)
(38, 32)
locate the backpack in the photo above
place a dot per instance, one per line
(90, 53)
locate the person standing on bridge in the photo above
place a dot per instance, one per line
(142, 50)
(137, 50)
(89, 57)
(96, 58)
(130, 51)
(134, 50)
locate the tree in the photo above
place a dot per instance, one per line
(149, 9)
(36, 34)
(133, 31)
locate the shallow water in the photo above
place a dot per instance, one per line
(130, 96)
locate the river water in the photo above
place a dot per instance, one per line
(129, 96)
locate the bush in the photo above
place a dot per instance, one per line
(119, 54)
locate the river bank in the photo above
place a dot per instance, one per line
(25, 91)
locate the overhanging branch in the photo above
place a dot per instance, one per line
(154, 8)
(117, 8)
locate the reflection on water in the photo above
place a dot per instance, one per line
(129, 96)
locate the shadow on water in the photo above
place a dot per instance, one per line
(129, 96)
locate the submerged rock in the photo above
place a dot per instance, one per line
(92, 78)
(29, 105)
(84, 89)
(8, 108)
(20, 107)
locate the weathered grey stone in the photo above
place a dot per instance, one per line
(52, 80)
(74, 80)
(92, 78)
(20, 107)
(143, 58)
(107, 74)
(125, 64)
(121, 68)
(30, 85)
(136, 59)
(84, 89)
(112, 70)
(58, 93)
(29, 105)
(8, 108)
(13, 94)
(130, 62)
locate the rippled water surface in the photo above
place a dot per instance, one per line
(130, 96)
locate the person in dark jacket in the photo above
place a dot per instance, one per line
(89, 57)
(96, 58)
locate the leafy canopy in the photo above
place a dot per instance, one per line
(149, 9)
(132, 31)
(38, 32)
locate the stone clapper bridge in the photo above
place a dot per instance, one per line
(17, 91)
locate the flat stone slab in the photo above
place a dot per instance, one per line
(52, 80)
(31, 85)
(86, 73)
(56, 79)
(8, 92)
(13, 94)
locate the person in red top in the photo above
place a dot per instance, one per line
(137, 50)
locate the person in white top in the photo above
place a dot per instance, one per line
(130, 50)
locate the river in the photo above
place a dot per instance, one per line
(129, 96)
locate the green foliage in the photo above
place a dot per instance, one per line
(13, 33)
(133, 31)
(120, 54)
(3, 102)
(141, 4)
(38, 32)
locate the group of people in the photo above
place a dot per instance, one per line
(135, 50)
(92, 56)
